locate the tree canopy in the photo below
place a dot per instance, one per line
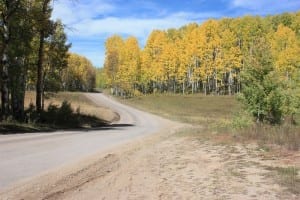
(34, 56)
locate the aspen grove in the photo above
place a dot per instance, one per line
(209, 58)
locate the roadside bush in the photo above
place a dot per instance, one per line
(271, 99)
(65, 112)
(62, 116)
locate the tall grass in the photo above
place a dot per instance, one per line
(285, 135)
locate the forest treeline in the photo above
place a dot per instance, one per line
(206, 58)
(256, 57)
(34, 55)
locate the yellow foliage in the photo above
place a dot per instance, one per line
(210, 55)
(286, 50)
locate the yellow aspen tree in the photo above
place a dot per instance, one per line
(133, 53)
(186, 49)
(182, 70)
(146, 73)
(170, 61)
(151, 60)
(79, 75)
(285, 50)
(296, 24)
(231, 55)
(248, 30)
(129, 65)
(211, 47)
(112, 58)
(192, 52)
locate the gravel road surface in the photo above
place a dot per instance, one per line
(27, 155)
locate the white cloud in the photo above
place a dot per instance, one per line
(133, 26)
(266, 6)
(254, 4)
(72, 11)
(84, 19)
(126, 26)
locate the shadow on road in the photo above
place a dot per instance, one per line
(23, 130)
(110, 127)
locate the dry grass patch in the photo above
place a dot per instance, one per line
(79, 103)
(287, 177)
(287, 136)
(220, 117)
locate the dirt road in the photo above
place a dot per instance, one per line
(25, 155)
(170, 164)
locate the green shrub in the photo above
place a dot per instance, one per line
(65, 113)
(268, 94)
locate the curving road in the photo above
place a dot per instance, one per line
(26, 155)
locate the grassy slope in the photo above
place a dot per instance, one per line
(216, 114)
(194, 109)
(77, 100)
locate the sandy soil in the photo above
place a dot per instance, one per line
(163, 166)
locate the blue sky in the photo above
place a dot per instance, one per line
(91, 22)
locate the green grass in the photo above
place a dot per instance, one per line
(194, 109)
